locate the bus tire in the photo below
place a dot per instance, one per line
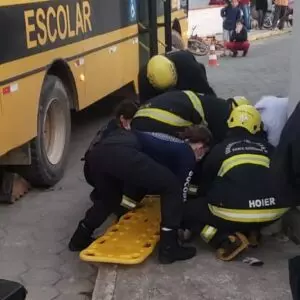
(49, 150)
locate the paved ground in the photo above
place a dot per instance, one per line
(264, 71)
(34, 232)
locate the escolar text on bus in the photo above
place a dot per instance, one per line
(52, 24)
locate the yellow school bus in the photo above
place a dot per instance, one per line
(63, 55)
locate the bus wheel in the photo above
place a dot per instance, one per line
(49, 150)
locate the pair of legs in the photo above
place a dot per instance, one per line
(246, 15)
(261, 18)
(112, 167)
(214, 230)
(279, 14)
(238, 46)
(226, 39)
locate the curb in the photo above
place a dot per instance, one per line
(267, 34)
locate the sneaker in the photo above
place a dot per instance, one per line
(170, 250)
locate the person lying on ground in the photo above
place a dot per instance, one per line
(236, 195)
(238, 40)
(177, 70)
(155, 162)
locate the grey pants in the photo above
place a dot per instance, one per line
(279, 14)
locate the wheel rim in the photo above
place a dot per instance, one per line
(54, 131)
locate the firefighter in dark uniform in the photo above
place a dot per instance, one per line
(177, 70)
(175, 110)
(159, 163)
(236, 194)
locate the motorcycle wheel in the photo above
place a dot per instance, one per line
(198, 47)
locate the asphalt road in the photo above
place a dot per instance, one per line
(34, 231)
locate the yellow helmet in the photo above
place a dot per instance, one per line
(245, 116)
(161, 72)
(239, 100)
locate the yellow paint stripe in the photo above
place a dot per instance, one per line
(16, 2)
(40, 60)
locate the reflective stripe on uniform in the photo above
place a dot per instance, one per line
(128, 202)
(247, 215)
(170, 118)
(240, 159)
(208, 232)
(162, 116)
(196, 101)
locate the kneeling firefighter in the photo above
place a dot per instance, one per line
(177, 70)
(237, 194)
(130, 158)
(173, 111)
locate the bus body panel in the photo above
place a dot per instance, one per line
(18, 123)
(97, 39)
(113, 66)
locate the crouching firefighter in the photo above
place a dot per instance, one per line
(173, 111)
(130, 158)
(123, 115)
(177, 70)
(237, 196)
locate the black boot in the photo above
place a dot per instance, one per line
(81, 238)
(169, 249)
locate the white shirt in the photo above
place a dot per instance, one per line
(274, 114)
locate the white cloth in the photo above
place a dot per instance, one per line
(274, 114)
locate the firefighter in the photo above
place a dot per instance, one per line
(175, 110)
(177, 70)
(123, 115)
(131, 158)
(236, 194)
(238, 100)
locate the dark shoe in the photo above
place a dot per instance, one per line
(232, 246)
(170, 250)
(234, 54)
(254, 238)
(245, 53)
(120, 212)
(81, 239)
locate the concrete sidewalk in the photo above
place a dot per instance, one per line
(255, 35)
(203, 277)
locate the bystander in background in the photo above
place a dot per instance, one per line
(239, 40)
(245, 7)
(231, 13)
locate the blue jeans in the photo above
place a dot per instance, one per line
(246, 15)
